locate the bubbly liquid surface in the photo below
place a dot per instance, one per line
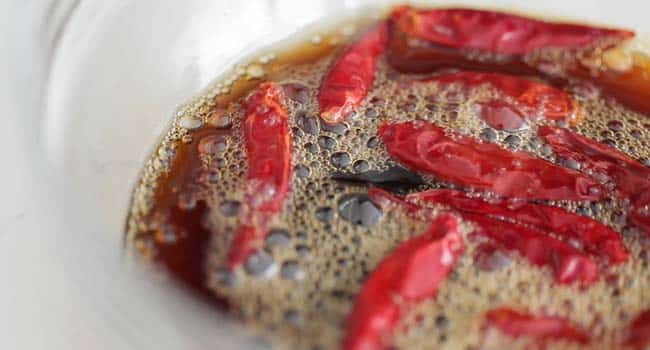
(299, 289)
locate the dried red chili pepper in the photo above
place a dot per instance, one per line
(349, 80)
(445, 37)
(411, 273)
(568, 264)
(638, 332)
(268, 150)
(627, 175)
(497, 32)
(517, 100)
(594, 237)
(466, 161)
(516, 324)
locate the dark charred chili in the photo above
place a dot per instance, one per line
(517, 324)
(268, 150)
(350, 78)
(594, 237)
(638, 332)
(411, 273)
(466, 161)
(568, 264)
(517, 100)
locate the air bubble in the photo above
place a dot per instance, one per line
(615, 125)
(308, 124)
(371, 113)
(359, 210)
(291, 270)
(301, 171)
(230, 208)
(488, 134)
(302, 250)
(442, 321)
(326, 142)
(260, 264)
(225, 277)
(324, 214)
(311, 147)
(292, 317)
(512, 141)
(278, 238)
(213, 177)
(189, 122)
(219, 119)
(360, 166)
(338, 129)
(407, 107)
(297, 92)
(340, 159)
(609, 142)
(213, 144)
(491, 259)
(372, 142)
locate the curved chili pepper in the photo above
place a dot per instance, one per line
(268, 150)
(638, 332)
(349, 80)
(568, 264)
(497, 32)
(517, 324)
(411, 273)
(517, 101)
(446, 37)
(464, 160)
(628, 175)
(595, 238)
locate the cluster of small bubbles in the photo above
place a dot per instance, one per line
(330, 236)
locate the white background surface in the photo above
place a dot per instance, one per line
(86, 89)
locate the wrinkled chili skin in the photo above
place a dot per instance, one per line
(638, 332)
(517, 324)
(518, 100)
(350, 79)
(268, 150)
(411, 273)
(596, 238)
(497, 32)
(534, 244)
(627, 175)
(424, 40)
(466, 161)
(411, 55)
(567, 263)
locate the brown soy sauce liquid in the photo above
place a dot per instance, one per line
(179, 238)
(298, 290)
